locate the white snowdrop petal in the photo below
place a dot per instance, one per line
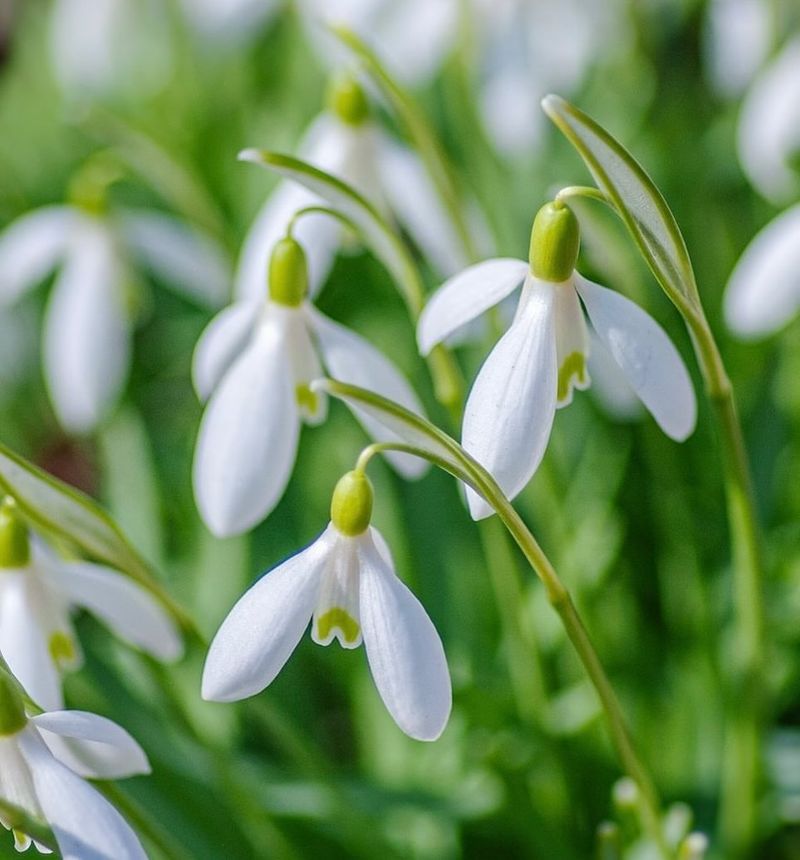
(90, 745)
(768, 133)
(23, 642)
(466, 295)
(86, 332)
(223, 339)
(85, 824)
(572, 343)
(126, 607)
(405, 653)
(31, 247)
(510, 409)
(646, 355)
(262, 630)
(417, 205)
(248, 437)
(763, 292)
(190, 262)
(354, 360)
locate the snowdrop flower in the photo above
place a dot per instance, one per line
(44, 763)
(763, 292)
(738, 35)
(535, 366)
(230, 21)
(527, 49)
(37, 592)
(256, 361)
(104, 48)
(87, 325)
(413, 37)
(345, 585)
(345, 142)
(768, 135)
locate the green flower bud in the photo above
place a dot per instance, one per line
(555, 240)
(347, 100)
(15, 550)
(12, 708)
(288, 273)
(351, 506)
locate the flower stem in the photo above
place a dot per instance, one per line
(747, 691)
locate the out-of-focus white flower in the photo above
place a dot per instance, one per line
(528, 49)
(38, 590)
(44, 763)
(255, 362)
(230, 21)
(87, 327)
(769, 127)
(344, 142)
(345, 585)
(738, 37)
(763, 292)
(413, 37)
(103, 48)
(535, 366)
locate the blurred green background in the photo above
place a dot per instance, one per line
(634, 522)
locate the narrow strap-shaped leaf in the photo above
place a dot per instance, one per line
(640, 204)
(379, 237)
(55, 508)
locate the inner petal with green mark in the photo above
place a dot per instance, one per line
(572, 374)
(337, 615)
(62, 649)
(307, 400)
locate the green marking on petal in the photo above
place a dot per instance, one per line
(573, 365)
(338, 618)
(307, 400)
(62, 648)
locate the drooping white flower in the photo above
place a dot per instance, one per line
(538, 362)
(527, 49)
(255, 363)
(768, 134)
(763, 292)
(344, 584)
(345, 142)
(413, 37)
(738, 35)
(87, 326)
(45, 761)
(38, 591)
(106, 48)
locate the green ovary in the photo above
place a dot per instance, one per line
(338, 618)
(573, 365)
(62, 648)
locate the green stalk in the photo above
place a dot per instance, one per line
(17, 819)
(463, 466)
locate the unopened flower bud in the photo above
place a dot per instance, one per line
(555, 241)
(288, 273)
(351, 506)
(347, 100)
(15, 551)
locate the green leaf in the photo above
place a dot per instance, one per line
(639, 203)
(376, 233)
(55, 508)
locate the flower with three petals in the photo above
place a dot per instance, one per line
(344, 584)
(87, 324)
(38, 590)
(541, 359)
(255, 364)
(45, 762)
